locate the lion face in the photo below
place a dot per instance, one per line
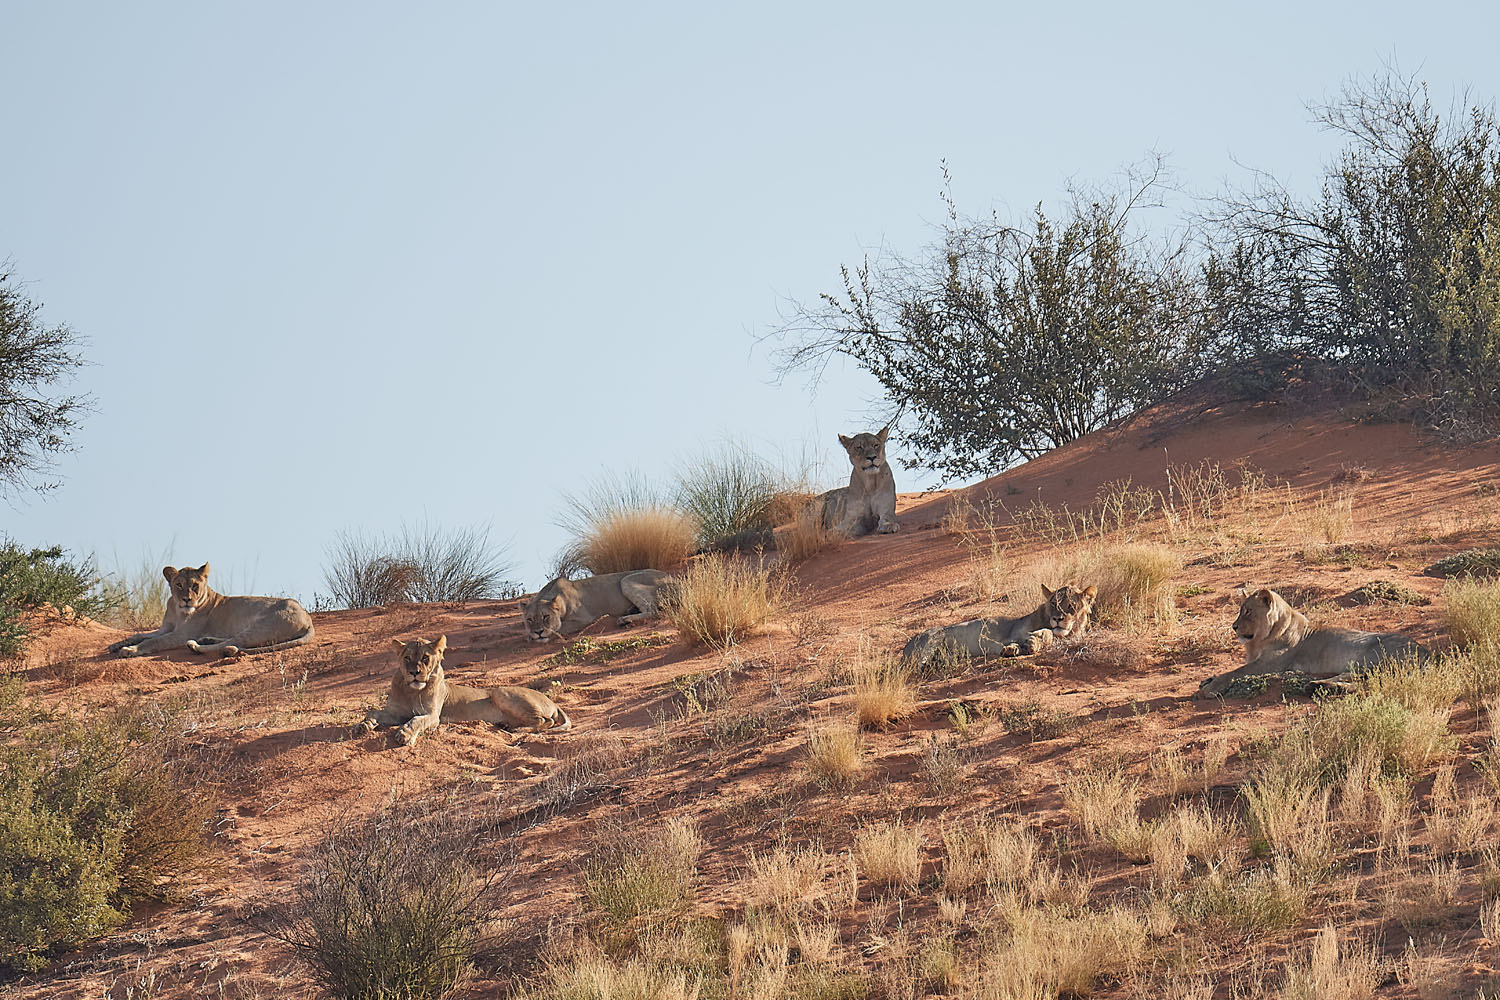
(542, 620)
(1255, 618)
(1068, 608)
(189, 586)
(866, 451)
(421, 661)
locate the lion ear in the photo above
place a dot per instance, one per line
(442, 644)
(845, 441)
(883, 432)
(398, 644)
(1046, 593)
(1263, 595)
(170, 572)
(203, 569)
(1091, 592)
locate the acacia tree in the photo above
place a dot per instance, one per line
(35, 419)
(1392, 274)
(1005, 343)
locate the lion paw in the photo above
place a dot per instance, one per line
(889, 528)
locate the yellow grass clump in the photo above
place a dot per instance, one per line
(719, 600)
(835, 754)
(890, 854)
(883, 691)
(1330, 972)
(643, 538)
(1473, 610)
(804, 535)
(1134, 581)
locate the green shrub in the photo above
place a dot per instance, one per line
(30, 578)
(417, 565)
(386, 908)
(93, 815)
(1470, 562)
(730, 495)
(630, 876)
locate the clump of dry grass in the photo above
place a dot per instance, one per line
(641, 538)
(1134, 581)
(890, 854)
(835, 754)
(1269, 898)
(883, 692)
(1472, 610)
(1330, 972)
(1289, 813)
(943, 765)
(1181, 777)
(1102, 800)
(789, 879)
(1458, 824)
(804, 535)
(1048, 953)
(719, 600)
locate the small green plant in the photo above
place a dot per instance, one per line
(418, 564)
(1034, 721)
(591, 650)
(1470, 562)
(1386, 592)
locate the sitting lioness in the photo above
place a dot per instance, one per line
(565, 606)
(420, 698)
(868, 503)
(204, 620)
(1064, 614)
(1278, 639)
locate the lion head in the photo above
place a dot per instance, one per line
(1068, 608)
(421, 661)
(866, 451)
(1259, 615)
(189, 586)
(542, 620)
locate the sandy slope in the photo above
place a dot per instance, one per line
(278, 723)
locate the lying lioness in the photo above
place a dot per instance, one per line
(1064, 613)
(421, 697)
(1278, 639)
(565, 606)
(206, 621)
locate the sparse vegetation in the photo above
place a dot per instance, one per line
(882, 689)
(386, 907)
(890, 855)
(720, 600)
(1470, 562)
(630, 876)
(835, 753)
(31, 579)
(417, 565)
(1473, 610)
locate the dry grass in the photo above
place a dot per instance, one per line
(1458, 824)
(1134, 581)
(883, 692)
(805, 536)
(1289, 813)
(1327, 520)
(835, 754)
(890, 855)
(1102, 800)
(1048, 953)
(789, 880)
(1331, 972)
(1181, 777)
(641, 538)
(1259, 899)
(630, 875)
(1472, 610)
(720, 600)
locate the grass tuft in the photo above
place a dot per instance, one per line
(719, 600)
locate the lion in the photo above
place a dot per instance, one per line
(565, 606)
(1063, 614)
(869, 501)
(1279, 639)
(420, 698)
(206, 621)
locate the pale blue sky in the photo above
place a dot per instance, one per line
(342, 265)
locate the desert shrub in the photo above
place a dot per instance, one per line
(1470, 562)
(719, 600)
(630, 875)
(422, 565)
(835, 754)
(138, 594)
(1473, 610)
(1257, 899)
(386, 907)
(1048, 953)
(729, 494)
(883, 691)
(1387, 592)
(30, 578)
(93, 815)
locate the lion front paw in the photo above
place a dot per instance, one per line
(408, 735)
(888, 528)
(1011, 649)
(129, 651)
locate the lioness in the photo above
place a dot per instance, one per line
(204, 620)
(421, 697)
(869, 501)
(1064, 613)
(566, 606)
(1278, 638)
